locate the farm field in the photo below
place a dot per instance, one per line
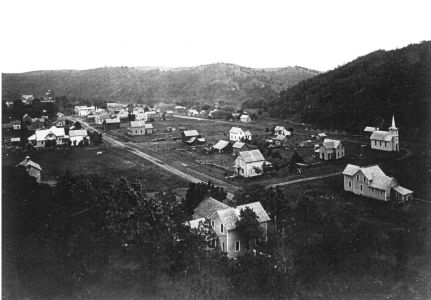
(112, 164)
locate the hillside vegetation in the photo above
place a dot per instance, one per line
(208, 83)
(356, 94)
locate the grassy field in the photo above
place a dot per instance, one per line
(112, 164)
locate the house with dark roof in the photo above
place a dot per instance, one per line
(37, 123)
(240, 147)
(372, 182)
(109, 124)
(187, 135)
(386, 140)
(223, 221)
(32, 168)
(223, 147)
(248, 163)
(149, 129)
(330, 149)
(208, 207)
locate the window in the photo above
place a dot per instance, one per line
(237, 246)
(365, 179)
(257, 241)
(372, 190)
(212, 223)
(357, 177)
(221, 228)
(350, 184)
(361, 187)
(375, 142)
(380, 143)
(222, 246)
(386, 144)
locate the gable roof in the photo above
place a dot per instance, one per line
(330, 144)
(221, 144)
(247, 133)
(137, 124)
(381, 136)
(31, 163)
(148, 126)
(371, 129)
(229, 216)
(252, 156)
(81, 132)
(351, 170)
(191, 133)
(238, 145)
(402, 191)
(208, 207)
(235, 130)
(375, 175)
(111, 121)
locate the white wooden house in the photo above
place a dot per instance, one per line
(40, 137)
(331, 149)
(371, 182)
(237, 134)
(248, 163)
(245, 119)
(137, 128)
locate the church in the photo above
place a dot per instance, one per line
(386, 140)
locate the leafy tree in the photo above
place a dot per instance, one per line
(248, 226)
(198, 191)
(77, 125)
(296, 158)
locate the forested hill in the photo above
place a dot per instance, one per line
(206, 83)
(356, 94)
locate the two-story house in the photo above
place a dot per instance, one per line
(372, 182)
(248, 163)
(223, 221)
(137, 128)
(237, 134)
(330, 149)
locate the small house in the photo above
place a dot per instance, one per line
(320, 136)
(188, 134)
(77, 136)
(279, 140)
(98, 119)
(237, 134)
(16, 124)
(37, 123)
(330, 149)
(149, 129)
(223, 147)
(179, 110)
(32, 168)
(249, 163)
(280, 130)
(240, 146)
(245, 119)
(137, 128)
(372, 182)
(110, 124)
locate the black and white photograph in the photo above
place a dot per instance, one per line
(215, 150)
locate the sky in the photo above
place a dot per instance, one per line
(320, 35)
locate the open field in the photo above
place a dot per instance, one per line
(113, 164)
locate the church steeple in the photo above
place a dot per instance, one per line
(393, 123)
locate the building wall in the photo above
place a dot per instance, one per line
(35, 173)
(381, 145)
(222, 237)
(137, 131)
